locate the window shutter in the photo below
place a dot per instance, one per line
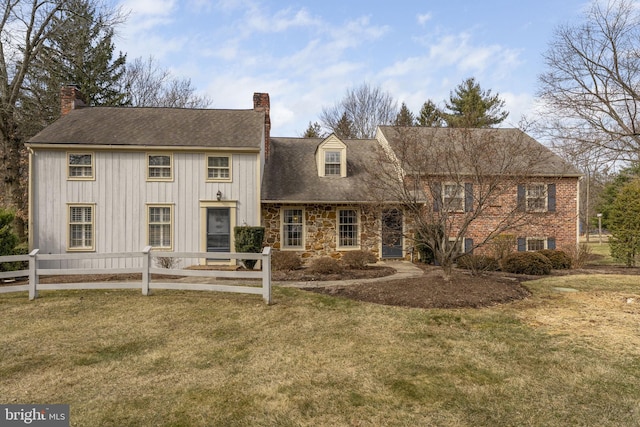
(551, 243)
(522, 244)
(522, 202)
(436, 191)
(468, 197)
(551, 197)
(468, 246)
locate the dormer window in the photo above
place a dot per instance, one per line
(331, 157)
(331, 163)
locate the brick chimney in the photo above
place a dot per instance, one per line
(70, 99)
(261, 103)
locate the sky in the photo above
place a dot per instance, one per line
(307, 54)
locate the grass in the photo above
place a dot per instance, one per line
(203, 359)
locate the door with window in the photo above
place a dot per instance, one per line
(392, 240)
(218, 230)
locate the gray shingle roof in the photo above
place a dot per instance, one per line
(487, 151)
(291, 174)
(131, 126)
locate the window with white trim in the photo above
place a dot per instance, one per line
(453, 197)
(536, 195)
(348, 226)
(332, 163)
(536, 244)
(81, 226)
(80, 166)
(159, 219)
(218, 168)
(159, 167)
(292, 228)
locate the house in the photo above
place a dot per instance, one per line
(109, 179)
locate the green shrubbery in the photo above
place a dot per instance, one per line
(9, 243)
(559, 259)
(527, 263)
(358, 259)
(249, 239)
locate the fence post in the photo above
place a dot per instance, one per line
(146, 262)
(33, 274)
(266, 274)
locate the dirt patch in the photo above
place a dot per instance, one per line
(306, 275)
(432, 291)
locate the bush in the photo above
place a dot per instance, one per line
(579, 255)
(559, 259)
(249, 239)
(527, 263)
(477, 263)
(285, 261)
(325, 265)
(21, 249)
(502, 245)
(358, 259)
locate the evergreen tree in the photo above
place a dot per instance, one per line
(405, 117)
(430, 115)
(344, 128)
(611, 190)
(313, 131)
(80, 51)
(471, 107)
(624, 223)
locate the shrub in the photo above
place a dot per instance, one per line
(526, 263)
(358, 259)
(477, 263)
(285, 261)
(559, 259)
(502, 245)
(21, 249)
(325, 265)
(249, 239)
(579, 255)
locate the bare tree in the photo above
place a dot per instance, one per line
(447, 180)
(25, 28)
(149, 85)
(365, 108)
(592, 81)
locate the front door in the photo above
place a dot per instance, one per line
(392, 233)
(218, 230)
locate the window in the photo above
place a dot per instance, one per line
(80, 165)
(536, 243)
(292, 228)
(159, 167)
(81, 227)
(332, 163)
(453, 197)
(219, 168)
(536, 197)
(348, 228)
(159, 220)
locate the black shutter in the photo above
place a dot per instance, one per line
(551, 197)
(468, 197)
(551, 243)
(522, 244)
(436, 191)
(468, 246)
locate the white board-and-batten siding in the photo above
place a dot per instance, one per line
(121, 193)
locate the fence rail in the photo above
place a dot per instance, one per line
(34, 272)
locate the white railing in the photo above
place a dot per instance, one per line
(146, 283)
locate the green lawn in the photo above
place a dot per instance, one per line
(211, 359)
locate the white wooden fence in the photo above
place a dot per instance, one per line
(146, 284)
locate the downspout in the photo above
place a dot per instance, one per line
(30, 199)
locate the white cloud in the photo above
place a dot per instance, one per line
(424, 18)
